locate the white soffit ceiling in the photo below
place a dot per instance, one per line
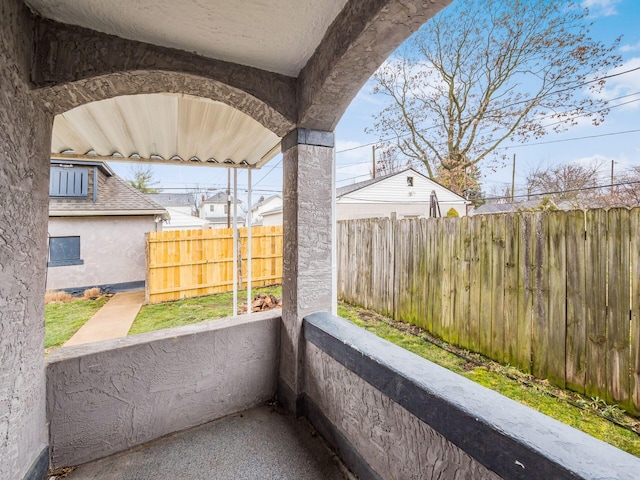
(275, 35)
(164, 128)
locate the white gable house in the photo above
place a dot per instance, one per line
(404, 194)
(270, 204)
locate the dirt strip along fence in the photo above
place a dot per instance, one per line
(191, 263)
(556, 294)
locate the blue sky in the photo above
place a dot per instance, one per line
(611, 18)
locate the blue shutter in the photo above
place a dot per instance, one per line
(68, 182)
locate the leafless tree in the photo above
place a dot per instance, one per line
(388, 161)
(576, 184)
(626, 192)
(482, 72)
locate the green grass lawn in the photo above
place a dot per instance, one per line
(537, 395)
(62, 320)
(191, 310)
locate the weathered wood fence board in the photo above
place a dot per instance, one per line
(596, 303)
(576, 306)
(190, 263)
(555, 293)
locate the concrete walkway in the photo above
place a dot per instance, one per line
(113, 320)
(261, 443)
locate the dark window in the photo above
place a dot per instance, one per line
(226, 208)
(68, 182)
(64, 251)
(409, 181)
(211, 208)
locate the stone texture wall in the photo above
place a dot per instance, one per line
(361, 37)
(81, 65)
(25, 139)
(396, 444)
(106, 397)
(112, 248)
(307, 230)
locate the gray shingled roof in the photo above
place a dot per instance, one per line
(115, 197)
(219, 197)
(505, 207)
(262, 202)
(171, 199)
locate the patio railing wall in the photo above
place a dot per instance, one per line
(555, 293)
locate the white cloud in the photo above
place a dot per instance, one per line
(630, 48)
(624, 84)
(351, 151)
(601, 8)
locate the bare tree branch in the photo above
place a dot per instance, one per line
(483, 72)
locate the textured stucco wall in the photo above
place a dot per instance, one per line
(113, 250)
(307, 230)
(361, 37)
(24, 183)
(109, 396)
(373, 392)
(82, 65)
(396, 444)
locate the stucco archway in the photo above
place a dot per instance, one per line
(47, 67)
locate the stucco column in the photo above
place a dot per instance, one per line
(308, 187)
(25, 146)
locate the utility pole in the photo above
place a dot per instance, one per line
(373, 159)
(513, 177)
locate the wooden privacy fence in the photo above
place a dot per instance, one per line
(555, 293)
(190, 263)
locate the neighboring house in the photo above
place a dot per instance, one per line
(214, 209)
(178, 202)
(274, 202)
(182, 208)
(523, 206)
(503, 207)
(97, 226)
(272, 217)
(404, 194)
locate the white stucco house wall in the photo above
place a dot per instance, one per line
(96, 230)
(405, 194)
(274, 202)
(272, 217)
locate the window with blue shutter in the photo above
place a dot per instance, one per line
(64, 251)
(68, 182)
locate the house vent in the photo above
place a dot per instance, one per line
(68, 182)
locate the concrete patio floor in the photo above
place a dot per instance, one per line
(261, 443)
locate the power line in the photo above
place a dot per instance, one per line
(548, 125)
(266, 174)
(625, 132)
(570, 190)
(496, 110)
(610, 134)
